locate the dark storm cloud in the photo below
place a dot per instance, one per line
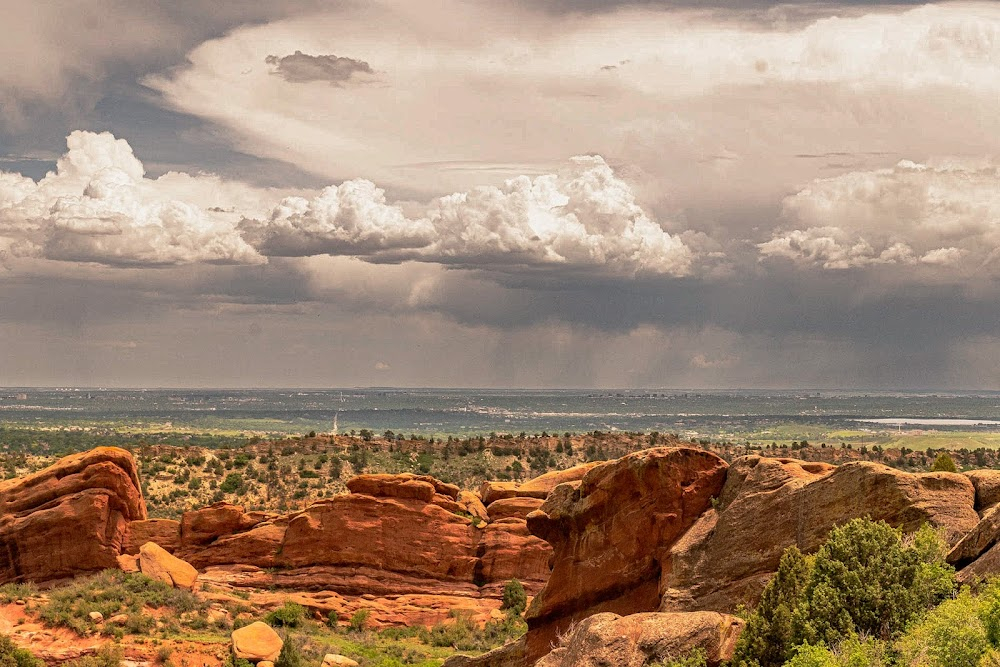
(303, 68)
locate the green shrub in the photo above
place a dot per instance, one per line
(291, 653)
(866, 580)
(289, 615)
(359, 621)
(944, 463)
(12, 656)
(767, 639)
(515, 599)
(695, 658)
(951, 635)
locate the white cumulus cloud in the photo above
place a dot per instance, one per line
(939, 215)
(97, 206)
(584, 217)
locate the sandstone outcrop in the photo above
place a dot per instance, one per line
(69, 518)
(987, 485)
(164, 532)
(337, 660)
(511, 654)
(156, 563)
(610, 640)
(202, 527)
(513, 508)
(256, 642)
(768, 505)
(507, 550)
(539, 487)
(610, 531)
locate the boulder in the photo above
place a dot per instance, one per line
(768, 505)
(610, 640)
(987, 485)
(491, 492)
(156, 563)
(403, 485)
(70, 518)
(550, 480)
(337, 660)
(472, 504)
(204, 526)
(128, 563)
(513, 508)
(610, 531)
(165, 532)
(256, 642)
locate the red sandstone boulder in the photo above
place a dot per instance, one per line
(164, 532)
(610, 640)
(472, 504)
(156, 563)
(257, 547)
(513, 508)
(609, 533)
(550, 480)
(768, 505)
(201, 527)
(403, 485)
(69, 518)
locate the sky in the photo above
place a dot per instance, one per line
(500, 193)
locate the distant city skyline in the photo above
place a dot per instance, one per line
(448, 193)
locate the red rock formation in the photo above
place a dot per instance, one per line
(204, 526)
(768, 505)
(610, 640)
(513, 508)
(164, 532)
(609, 533)
(69, 518)
(507, 550)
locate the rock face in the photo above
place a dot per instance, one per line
(256, 642)
(202, 527)
(609, 640)
(610, 532)
(164, 532)
(69, 518)
(409, 537)
(768, 505)
(512, 508)
(156, 563)
(987, 484)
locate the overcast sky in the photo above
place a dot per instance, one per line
(555, 193)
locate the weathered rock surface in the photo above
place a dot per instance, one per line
(610, 640)
(69, 518)
(256, 642)
(337, 660)
(156, 563)
(404, 535)
(204, 526)
(258, 546)
(610, 532)
(472, 504)
(539, 487)
(509, 551)
(513, 508)
(164, 532)
(512, 654)
(768, 505)
(987, 485)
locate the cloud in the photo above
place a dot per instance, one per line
(350, 219)
(97, 206)
(943, 215)
(304, 68)
(584, 217)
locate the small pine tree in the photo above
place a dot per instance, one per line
(944, 463)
